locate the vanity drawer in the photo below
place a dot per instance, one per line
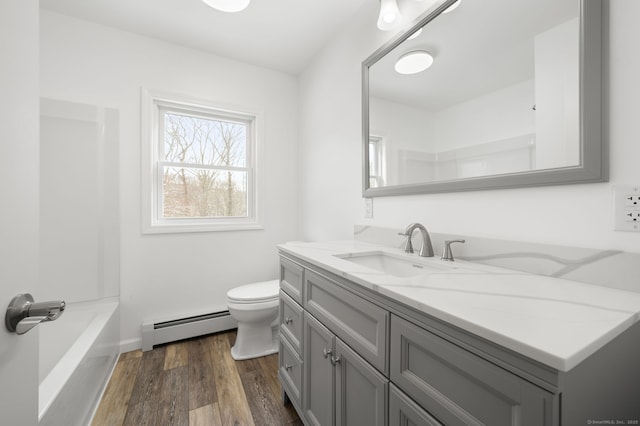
(460, 388)
(291, 275)
(290, 372)
(358, 322)
(291, 321)
(404, 412)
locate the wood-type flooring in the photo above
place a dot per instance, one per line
(194, 382)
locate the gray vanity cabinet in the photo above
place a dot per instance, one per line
(333, 350)
(340, 387)
(351, 357)
(363, 358)
(460, 388)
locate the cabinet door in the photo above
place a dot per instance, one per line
(460, 388)
(404, 412)
(318, 381)
(361, 391)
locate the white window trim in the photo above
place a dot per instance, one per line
(152, 221)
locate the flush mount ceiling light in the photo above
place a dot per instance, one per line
(413, 62)
(452, 7)
(389, 15)
(228, 5)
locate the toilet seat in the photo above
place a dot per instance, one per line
(266, 291)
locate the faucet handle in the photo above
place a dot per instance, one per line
(447, 254)
(407, 246)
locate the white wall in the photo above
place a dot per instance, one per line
(176, 274)
(557, 95)
(423, 146)
(580, 215)
(502, 114)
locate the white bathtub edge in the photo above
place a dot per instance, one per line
(104, 388)
(59, 376)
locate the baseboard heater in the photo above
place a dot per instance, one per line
(158, 332)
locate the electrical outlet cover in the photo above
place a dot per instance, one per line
(368, 208)
(626, 208)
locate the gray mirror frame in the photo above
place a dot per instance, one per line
(594, 147)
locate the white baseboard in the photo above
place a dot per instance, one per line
(130, 345)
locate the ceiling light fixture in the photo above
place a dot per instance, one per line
(389, 15)
(228, 5)
(414, 62)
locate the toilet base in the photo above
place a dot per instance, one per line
(254, 342)
(239, 356)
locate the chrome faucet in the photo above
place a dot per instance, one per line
(427, 249)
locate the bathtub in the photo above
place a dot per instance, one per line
(77, 354)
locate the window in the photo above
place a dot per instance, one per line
(201, 174)
(376, 163)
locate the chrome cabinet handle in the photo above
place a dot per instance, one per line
(326, 352)
(288, 320)
(335, 360)
(23, 314)
(288, 367)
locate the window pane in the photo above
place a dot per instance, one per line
(198, 193)
(373, 158)
(206, 141)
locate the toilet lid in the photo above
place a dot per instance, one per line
(256, 292)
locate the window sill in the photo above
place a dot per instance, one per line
(176, 228)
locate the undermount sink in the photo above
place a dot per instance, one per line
(397, 265)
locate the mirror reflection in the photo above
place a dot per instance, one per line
(489, 88)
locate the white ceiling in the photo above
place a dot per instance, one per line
(480, 47)
(279, 34)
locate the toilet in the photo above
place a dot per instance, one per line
(255, 307)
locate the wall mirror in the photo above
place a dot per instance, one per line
(502, 94)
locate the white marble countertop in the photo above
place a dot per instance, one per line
(554, 321)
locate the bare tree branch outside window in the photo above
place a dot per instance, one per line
(205, 171)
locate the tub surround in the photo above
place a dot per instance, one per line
(554, 321)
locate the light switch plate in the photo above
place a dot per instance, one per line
(626, 208)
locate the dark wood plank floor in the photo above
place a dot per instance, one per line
(194, 382)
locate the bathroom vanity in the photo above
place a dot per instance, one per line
(370, 335)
